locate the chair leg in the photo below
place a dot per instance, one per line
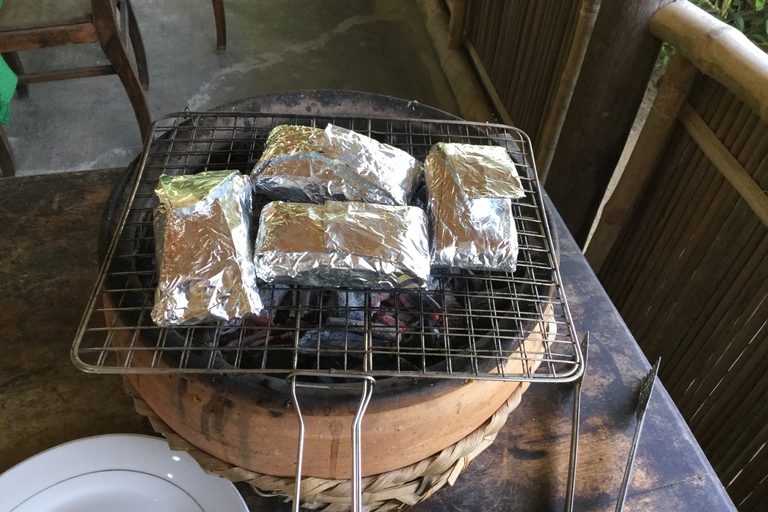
(6, 155)
(138, 46)
(221, 25)
(109, 38)
(14, 62)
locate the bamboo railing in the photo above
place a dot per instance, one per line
(717, 50)
(682, 246)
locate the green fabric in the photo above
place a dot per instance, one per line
(8, 83)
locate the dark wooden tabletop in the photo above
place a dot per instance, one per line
(50, 229)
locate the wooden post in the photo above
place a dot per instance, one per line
(613, 79)
(645, 157)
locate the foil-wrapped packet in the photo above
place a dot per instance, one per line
(305, 164)
(470, 189)
(203, 249)
(343, 244)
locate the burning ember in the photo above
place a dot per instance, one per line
(333, 325)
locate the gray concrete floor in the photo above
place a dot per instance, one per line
(378, 46)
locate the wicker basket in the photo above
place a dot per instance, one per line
(395, 490)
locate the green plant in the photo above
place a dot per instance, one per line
(748, 16)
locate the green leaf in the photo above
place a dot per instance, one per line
(667, 51)
(749, 17)
(738, 21)
(759, 4)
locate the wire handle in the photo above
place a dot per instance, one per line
(366, 383)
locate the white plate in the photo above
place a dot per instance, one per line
(115, 473)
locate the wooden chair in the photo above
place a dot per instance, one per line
(221, 25)
(34, 24)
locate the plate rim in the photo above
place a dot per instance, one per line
(101, 472)
(103, 462)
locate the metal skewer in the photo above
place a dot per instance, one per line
(571, 486)
(642, 405)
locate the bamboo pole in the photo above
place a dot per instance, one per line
(643, 161)
(556, 61)
(725, 162)
(469, 94)
(556, 118)
(456, 23)
(717, 50)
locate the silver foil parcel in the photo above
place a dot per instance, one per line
(305, 164)
(470, 188)
(343, 244)
(203, 249)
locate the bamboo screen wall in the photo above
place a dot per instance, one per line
(523, 46)
(690, 278)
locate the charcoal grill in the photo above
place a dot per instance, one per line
(468, 326)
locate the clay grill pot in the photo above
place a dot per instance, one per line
(248, 421)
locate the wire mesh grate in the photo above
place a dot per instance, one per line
(468, 325)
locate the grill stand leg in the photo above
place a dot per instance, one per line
(646, 389)
(571, 485)
(357, 458)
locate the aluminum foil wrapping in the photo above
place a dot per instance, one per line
(343, 244)
(203, 249)
(305, 164)
(469, 195)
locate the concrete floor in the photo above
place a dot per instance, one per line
(378, 46)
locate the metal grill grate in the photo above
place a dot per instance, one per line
(481, 325)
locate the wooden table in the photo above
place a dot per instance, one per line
(50, 227)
